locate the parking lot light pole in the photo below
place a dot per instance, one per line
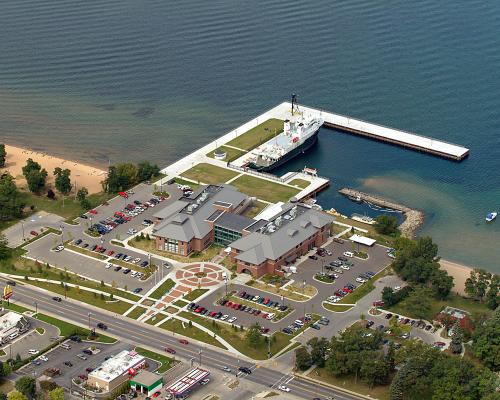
(62, 234)
(199, 352)
(89, 314)
(22, 227)
(36, 307)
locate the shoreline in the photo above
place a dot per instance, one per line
(81, 174)
(459, 272)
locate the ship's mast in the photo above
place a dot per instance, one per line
(295, 104)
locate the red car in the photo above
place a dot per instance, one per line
(123, 194)
(440, 344)
(82, 377)
(111, 252)
(264, 315)
(119, 214)
(379, 303)
(34, 233)
(156, 394)
(93, 212)
(183, 341)
(346, 289)
(229, 304)
(170, 350)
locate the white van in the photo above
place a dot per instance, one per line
(348, 254)
(66, 346)
(12, 336)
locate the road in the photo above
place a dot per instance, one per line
(143, 334)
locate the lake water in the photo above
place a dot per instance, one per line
(101, 80)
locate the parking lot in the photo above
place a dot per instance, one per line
(34, 223)
(92, 267)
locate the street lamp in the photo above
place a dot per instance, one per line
(89, 314)
(225, 283)
(199, 352)
(36, 307)
(22, 227)
(62, 234)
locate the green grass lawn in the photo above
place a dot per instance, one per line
(454, 300)
(175, 325)
(194, 294)
(258, 135)
(263, 189)
(68, 329)
(180, 303)
(237, 338)
(181, 181)
(136, 312)
(162, 289)
(166, 362)
(14, 307)
(349, 383)
(255, 209)
(209, 174)
(336, 308)
(84, 296)
(301, 183)
(231, 154)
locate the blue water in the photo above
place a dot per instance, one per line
(101, 80)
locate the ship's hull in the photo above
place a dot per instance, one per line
(308, 143)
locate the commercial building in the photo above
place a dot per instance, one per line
(186, 383)
(12, 324)
(117, 370)
(266, 246)
(146, 382)
(209, 215)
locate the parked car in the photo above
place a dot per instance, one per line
(34, 233)
(170, 350)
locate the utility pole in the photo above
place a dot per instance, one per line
(89, 314)
(36, 308)
(199, 352)
(22, 227)
(62, 234)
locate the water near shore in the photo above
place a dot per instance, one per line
(109, 79)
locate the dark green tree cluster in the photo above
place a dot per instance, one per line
(254, 335)
(317, 356)
(27, 386)
(10, 202)
(3, 155)
(390, 297)
(81, 196)
(360, 355)
(35, 176)
(426, 373)
(386, 224)
(456, 340)
(303, 360)
(5, 250)
(418, 263)
(484, 286)
(124, 175)
(63, 181)
(486, 342)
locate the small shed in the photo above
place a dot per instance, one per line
(363, 240)
(146, 382)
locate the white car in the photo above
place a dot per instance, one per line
(204, 381)
(128, 258)
(284, 388)
(43, 358)
(397, 288)
(232, 319)
(329, 252)
(346, 267)
(137, 260)
(348, 254)
(134, 274)
(224, 317)
(108, 265)
(33, 352)
(59, 248)
(270, 316)
(360, 280)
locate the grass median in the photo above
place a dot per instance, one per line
(336, 308)
(183, 328)
(161, 290)
(86, 252)
(136, 312)
(362, 290)
(194, 294)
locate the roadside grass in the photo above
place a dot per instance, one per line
(454, 300)
(258, 135)
(165, 362)
(149, 246)
(301, 183)
(160, 291)
(176, 326)
(181, 181)
(136, 312)
(349, 383)
(14, 307)
(289, 294)
(86, 252)
(209, 174)
(336, 308)
(362, 290)
(116, 306)
(237, 338)
(117, 243)
(231, 154)
(67, 329)
(24, 267)
(194, 294)
(264, 189)
(255, 209)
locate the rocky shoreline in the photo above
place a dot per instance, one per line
(413, 218)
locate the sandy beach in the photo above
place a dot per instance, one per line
(82, 175)
(459, 273)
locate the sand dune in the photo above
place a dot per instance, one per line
(82, 175)
(459, 273)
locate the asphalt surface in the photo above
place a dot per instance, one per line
(36, 222)
(142, 334)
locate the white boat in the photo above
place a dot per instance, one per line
(491, 216)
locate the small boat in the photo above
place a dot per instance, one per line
(491, 216)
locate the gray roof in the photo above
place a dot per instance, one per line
(185, 219)
(234, 222)
(146, 378)
(288, 229)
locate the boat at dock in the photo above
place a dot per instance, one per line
(491, 216)
(363, 218)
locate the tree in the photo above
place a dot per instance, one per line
(10, 204)
(27, 386)
(388, 296)
(120, 177)
(254, 335)
(442, 283)
(492, 295)
(318, 350)
(486, 341)
(456, 340)
(471, 284)
(5, 250)
(145, 171)
(56, 394)
(51, 195)
(375, 371)
(15, 395)
(303, 359)
(420, 302)
(82, 194)
(3, 155)
(386, 224)
(63, 181)
(35, 176)
(3, 396)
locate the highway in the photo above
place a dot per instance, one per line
(133, 332)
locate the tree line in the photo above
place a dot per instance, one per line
(125, 175)
(484, 287)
